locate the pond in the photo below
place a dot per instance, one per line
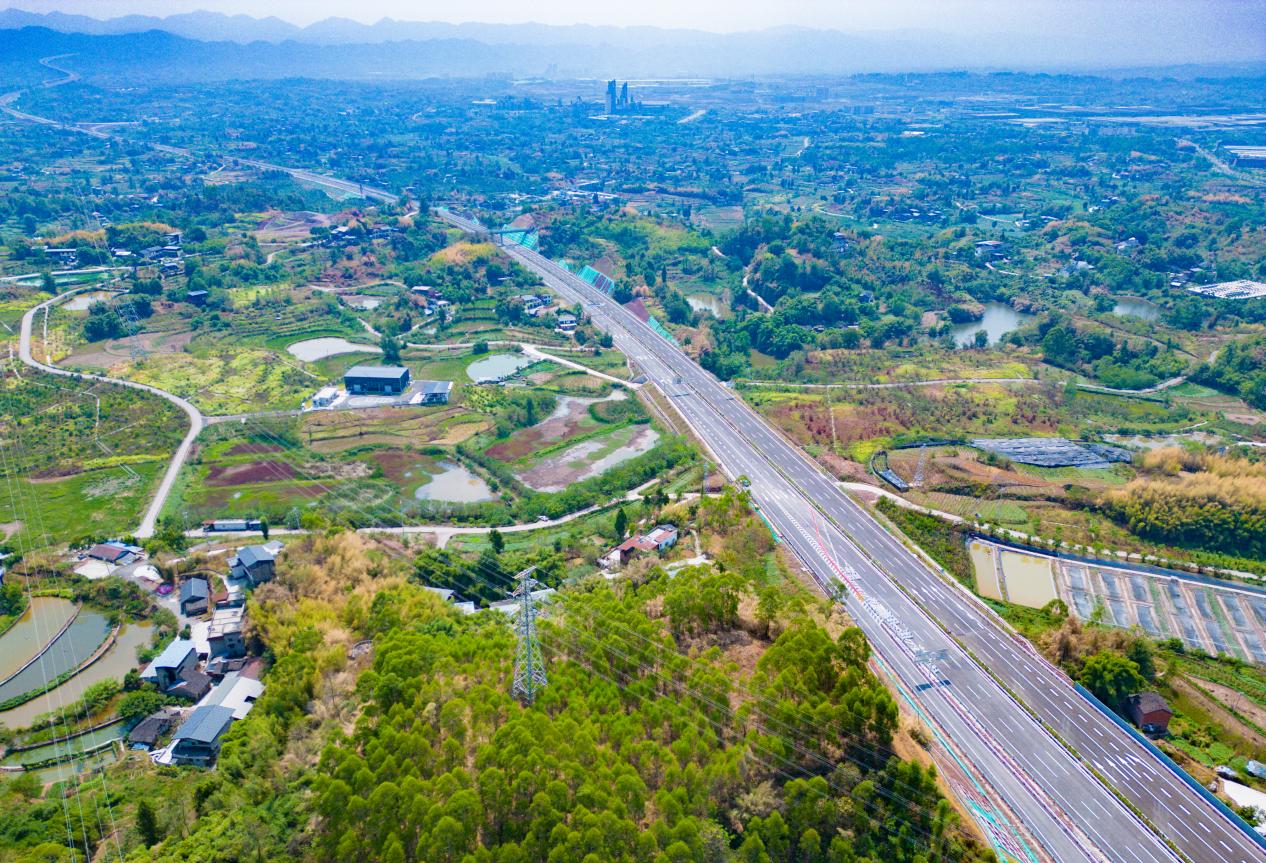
(71, 649)
(1135, 307)
(710, 303)
(72, 747)
(43, 618)
(118, 660)
(70, 769)
(454, 484)
(83, 302)
(312, 350)
(999, 320)
(496, 367)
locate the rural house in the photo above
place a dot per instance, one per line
(659, 539)
(1149, 712)
(197, 740)
(170, 666)
(195, 596)
(253, 563)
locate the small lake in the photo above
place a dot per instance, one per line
(710, 303)
(454, 484)
(999, 320)
(497, 366)
(43, 619)
(312, 350)
(1137, 308)
(83, 302)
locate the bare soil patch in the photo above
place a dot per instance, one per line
(291, 227)
(566, 421)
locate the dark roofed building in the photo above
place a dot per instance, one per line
(197, 740)
(150, 730)
(254, 563)
(1150, 712)
(110, 552)
(192, 685)
(195, 596)
(376, 380)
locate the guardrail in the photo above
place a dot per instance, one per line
(1168, 762)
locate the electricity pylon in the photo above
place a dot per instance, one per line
(529, 667)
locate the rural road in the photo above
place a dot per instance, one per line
(150, 519)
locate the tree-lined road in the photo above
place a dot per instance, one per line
(988, 691)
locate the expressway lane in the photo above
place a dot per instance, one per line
(908, 611)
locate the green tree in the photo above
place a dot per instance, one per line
(1111, 677)
(147, 824)
(621, 526)
(497, 541)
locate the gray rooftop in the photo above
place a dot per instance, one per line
(194, 588)
(387, 372)
(431, 387)
(173, 654)
(249, 555)
(205, 724)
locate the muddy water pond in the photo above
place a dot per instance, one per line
(999, 319)
(83, 302)
(497, 366)
(1135, 307)
(43, 619)
(454, 484)
(71, 649)
(120, 659)
(710, 303)
(589, 458)
(312, 350)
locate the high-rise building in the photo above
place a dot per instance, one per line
(611, 97)
(624, 95)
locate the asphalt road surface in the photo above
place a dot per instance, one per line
(966, 670)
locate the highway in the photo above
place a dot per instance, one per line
(968, 671)
(983, 687)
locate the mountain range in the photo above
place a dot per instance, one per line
(214, 46)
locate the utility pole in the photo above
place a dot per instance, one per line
(529, 667)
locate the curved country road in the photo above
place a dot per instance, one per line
(150, 519)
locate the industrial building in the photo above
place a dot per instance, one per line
(376, 380)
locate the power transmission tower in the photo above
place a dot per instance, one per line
(132, 320)
(529, 667)
(918, 468)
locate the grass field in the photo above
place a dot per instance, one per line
(96, 503)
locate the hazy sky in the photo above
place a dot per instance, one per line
(1200, 20)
